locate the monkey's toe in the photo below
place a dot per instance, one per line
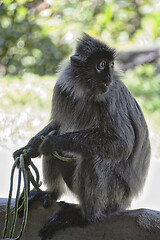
(50, 227)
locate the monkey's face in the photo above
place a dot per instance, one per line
(103, 73)
(95, 72)
(93, 65)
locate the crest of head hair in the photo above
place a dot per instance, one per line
(88, 45)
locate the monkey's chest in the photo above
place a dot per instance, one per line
(80, 119)
(75, 115)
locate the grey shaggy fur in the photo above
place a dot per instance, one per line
(97, 120)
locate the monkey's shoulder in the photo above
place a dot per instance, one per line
(116, 106)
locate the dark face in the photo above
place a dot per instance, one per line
(103, 73)
(95, 72)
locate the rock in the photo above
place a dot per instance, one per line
(140, 224)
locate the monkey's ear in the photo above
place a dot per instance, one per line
(76, 60)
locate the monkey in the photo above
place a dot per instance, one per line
(95, 119)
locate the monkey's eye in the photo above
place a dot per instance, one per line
(101, 66)
(112, 65)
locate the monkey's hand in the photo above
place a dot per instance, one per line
(71, 141)
(30, 152)
(50, 144)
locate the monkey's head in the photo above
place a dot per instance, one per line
(93, 64)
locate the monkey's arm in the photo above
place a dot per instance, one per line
(91, 141)
(32, 147)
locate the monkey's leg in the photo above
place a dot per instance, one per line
(53, 181)
(52, 177)
(68, 216)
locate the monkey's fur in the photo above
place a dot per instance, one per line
(97, 120)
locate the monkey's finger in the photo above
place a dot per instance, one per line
(45, 147)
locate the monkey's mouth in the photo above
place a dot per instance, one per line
(104, 87)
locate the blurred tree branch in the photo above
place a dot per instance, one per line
(131, 59)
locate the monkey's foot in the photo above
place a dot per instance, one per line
(45, 198)
(68, 216)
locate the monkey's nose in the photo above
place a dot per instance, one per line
(108, 82)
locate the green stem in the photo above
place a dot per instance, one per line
(9, 199)
(34, 183)
(65, 159)
(16, 205)
(36, 172)
(20, 200)
(25, 178)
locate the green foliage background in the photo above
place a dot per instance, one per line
(35, 36)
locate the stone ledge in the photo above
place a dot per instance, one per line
(139, 224)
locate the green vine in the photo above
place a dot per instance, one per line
(23, 197)
(27, 178)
